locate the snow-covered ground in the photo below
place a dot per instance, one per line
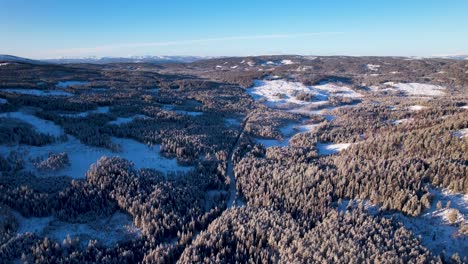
(436, 232)
(82, 156)
(416, 107)
(282, 94)
(108, 230)
(4, 64)
(373, 67)
(99, 110)
(287, 62)
(464, 107)
(433, 226)
(419, 89)
(232, 122)
(3, 101)
(461, 133)
(288, 132)
(330, 148)
(182, 112)
(125, 120)
(65, 84)
(41, 125)
(401, 121)
(37, 92)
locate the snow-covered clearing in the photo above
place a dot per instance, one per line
(284, 94)
(4, 64)
(182, 112)
(65, 84)
(401, 121)
(232, 122)
(287, 96)
(464, 107)
(461, 133)
(107, 230)
(373, 67)
(41, 125)
(436, 232)
(234, 67)
(189, 113)
(287, 62)
(419, 89)
(82, 156)
(416, 107)
(99, 110)
(37, 92)
(330, 148)
(125, 120)
(433, 226)
(288, 131)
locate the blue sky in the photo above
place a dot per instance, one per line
(57, 28)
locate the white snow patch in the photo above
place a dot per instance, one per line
(107, 230)
(4, 64)
(125, 120)
(288, 131)
(401, 121)
(82, 156)
(232, 122)
(419, 88)
(41, 125)
(37, 92)
(65, 84)
(99, 110)
(416, 107)
(461, 133)
(373, 67)
(464, 107)
(242, 62)
(219, 66)
(282, 94)
(330, 148)
(251, 63)
(287, 62)
(434, 228)
(234, 67)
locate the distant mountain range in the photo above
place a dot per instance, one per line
(145, 59)
(104, 60)
(132, 59)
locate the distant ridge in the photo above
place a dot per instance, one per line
(132, 59)
(11, 58)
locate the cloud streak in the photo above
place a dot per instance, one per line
(114, 47)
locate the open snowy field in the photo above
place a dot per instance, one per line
(107, 230)
(82, 156)
(37, 92)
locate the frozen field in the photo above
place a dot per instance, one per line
(107, 230)
(330, 148)
(99, 110)
(419, 89)
(37, 92)
(126, 120)
(65, 84)
(40, 125)
(82, 156)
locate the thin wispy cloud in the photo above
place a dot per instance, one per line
(115, 47)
